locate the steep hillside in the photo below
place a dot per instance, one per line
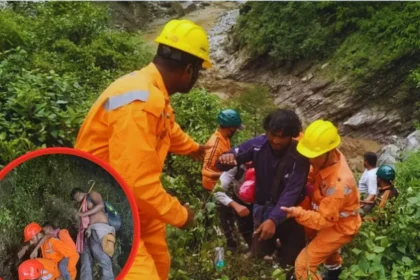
(339, 61)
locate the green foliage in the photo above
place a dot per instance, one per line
(388, 249)
(295, 30)
(369, 42)
(196, 113)
(380, 32)
(390, 33)
(55, 58)
(254, 104)
(415, 78)
(39, 190)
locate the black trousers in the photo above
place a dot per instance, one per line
(228, 216)
(292, 239)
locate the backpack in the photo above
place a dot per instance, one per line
(114, 218)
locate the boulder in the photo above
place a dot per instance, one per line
(389, 154)
(363, 118)
(189, 7)
(178, 9)
(412, 142)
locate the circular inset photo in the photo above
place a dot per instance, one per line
(64, 217)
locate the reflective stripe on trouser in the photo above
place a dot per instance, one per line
(324, 248)
(62, 265)
(152, 261)
(93, 252)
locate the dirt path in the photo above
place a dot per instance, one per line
(205, 17)
(353, 148)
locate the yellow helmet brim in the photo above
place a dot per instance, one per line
(311, 153)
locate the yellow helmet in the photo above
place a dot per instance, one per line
(319, 138)
(186, 36)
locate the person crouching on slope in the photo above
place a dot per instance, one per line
(229, 122)
(387, 192)
(38, 269)
(53, 249)
(335, 203)
(51, 231)
(132, 127)
(231, 208)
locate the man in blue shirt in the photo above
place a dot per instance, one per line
(281, 175)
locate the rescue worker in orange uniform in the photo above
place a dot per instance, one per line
(38, 269)
(51, 231)
(53, 249)
(335, 202)
(132, 126)
(229, 123)
(30, 270)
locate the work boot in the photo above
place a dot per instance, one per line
(332, 274)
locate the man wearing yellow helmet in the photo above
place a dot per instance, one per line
(132, 126)
(335, 202)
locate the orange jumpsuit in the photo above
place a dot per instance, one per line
(210, 174)
(132, 126)
(55, 250)
(64, 236)
(50, 271)
(335, 215)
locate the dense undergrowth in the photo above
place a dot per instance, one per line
(39, 191)
(370, 42)
(388, 249)
(55, 59)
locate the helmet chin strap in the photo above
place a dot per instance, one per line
(195, 74)
(326, 160)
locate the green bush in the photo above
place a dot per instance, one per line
(368, 42)
(388, 249)
(390, 33)
(365, 36)
(295, 30)
(55, 58)
(254, 104)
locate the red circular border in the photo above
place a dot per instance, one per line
(110, 170)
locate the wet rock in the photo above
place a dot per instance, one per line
(412, 142)
(318, 85)
(390, 154)
(307, 78)
(301, 67)
(189, 7)
(178, 8)
(363, 118)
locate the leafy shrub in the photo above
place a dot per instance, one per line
(388, 30)
(390, 33)
(388, 249)
(295, 30)
(55, 58)
(254, 104)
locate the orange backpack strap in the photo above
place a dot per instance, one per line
(384, 198)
